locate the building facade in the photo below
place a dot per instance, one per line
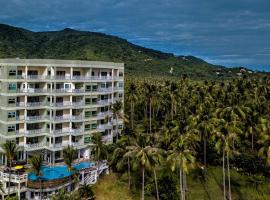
(46, 105)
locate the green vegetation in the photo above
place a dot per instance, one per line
(191, 139)
(72, 44)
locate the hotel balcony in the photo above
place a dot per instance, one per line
(77, 117)
(33, 90)
(61, 117)
(64, 77)
(35, 131)
(68, 131)
(105, 89)
(103, 114)
(35, 118)
(103, 127)
(35, 104)
(36, 146)
(104, 102)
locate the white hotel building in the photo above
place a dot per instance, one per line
(47, 104)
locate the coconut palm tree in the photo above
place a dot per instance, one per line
(139, 152)
(116, 109)
(100, 149)
(132, 97)
(118, 157)
(10, 149)
(182, 157)
(36, 163)
(69, 154)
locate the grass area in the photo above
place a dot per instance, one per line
(243, 187)
(111, 187)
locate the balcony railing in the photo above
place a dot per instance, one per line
(20, 104)
(36, 145)
(61, 104)
(33, 118)
(103, 127)
(35, 104)
(61, 131)
(104, 89)
(39, 77)
(104, 102)
(63, 117)
(79, 103)
(64, 77)
(77, 144)
(32, 90)
(76, 117)
(102, 114)
(35, 131)
(78, 90)
(61, 77)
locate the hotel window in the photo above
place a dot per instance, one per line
(88, 101)
(121, 74)
(94, 88)
(88, 113)
(12, 73)
(87, 127)
(11, 101)
(88, 88)
(93, 126)
(11, 114)
(11, 128)
(12, 86)
(121, 84)
(103, 85)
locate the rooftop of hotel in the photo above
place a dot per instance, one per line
(59, 63)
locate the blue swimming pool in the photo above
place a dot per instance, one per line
(57, 172)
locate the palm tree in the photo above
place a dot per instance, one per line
(155, 157)
(139, 152)
(119, 157)
(182, 157)
(86, 192)
(10, 149)
(132, 97)
(69, 154)
(100, 150)
(36, 163)
(116, 109)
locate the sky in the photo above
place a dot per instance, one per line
(225, 32)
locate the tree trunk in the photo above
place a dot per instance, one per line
(150, 118)
(181, 184)
(229, 176)
(155, 175)
(132, 115)
(142, 183)
(128, 175)
(204, 150)
(252, 141)
(9, 178)
(224, 176)
(184, 185)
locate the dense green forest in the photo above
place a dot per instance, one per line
(180, 132)
(73, 44)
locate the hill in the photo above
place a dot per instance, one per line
(73, 44)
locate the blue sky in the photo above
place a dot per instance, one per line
(230, 33)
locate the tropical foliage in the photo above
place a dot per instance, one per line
(185, 125)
